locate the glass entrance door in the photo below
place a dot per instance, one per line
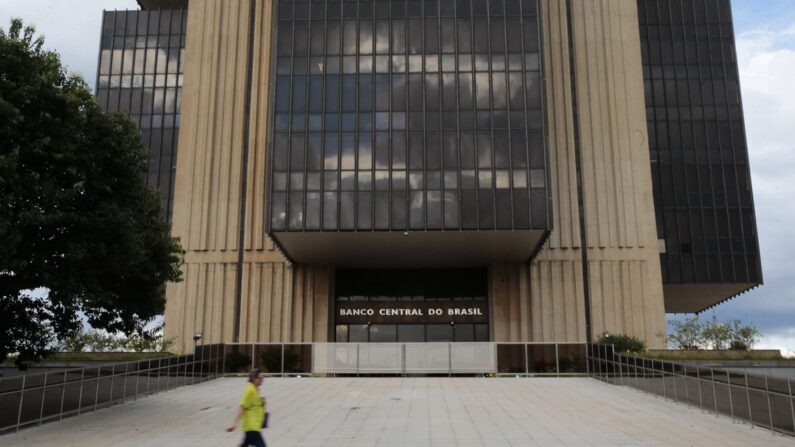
(388, 306)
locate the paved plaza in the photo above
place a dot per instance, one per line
(406, 412)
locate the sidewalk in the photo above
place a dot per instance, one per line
(410, 412)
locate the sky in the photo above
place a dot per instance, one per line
(766, 51)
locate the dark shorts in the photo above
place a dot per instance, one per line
(253, 438)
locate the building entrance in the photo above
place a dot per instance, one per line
(404, 306)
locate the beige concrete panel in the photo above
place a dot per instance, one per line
(245, 301)
(537, 288)
(220, 124)
(548, 300)
(637, 306)
(569, 329)
(322, 295)
(230, 256)
(586, 87)
(616, 175)
(495, 300)
(210, 61)
(258, 143)
(578, 331)
(558, 306)
(279, 283)
(598, 291)
(253, 286)
(620, 302)
(187, 319)
(216, 315)
(203, 309)
(515, 318)
(189, 116)
(219, 187)
(229, 277)
(300, 281)
(287, 304)
(622, 167)
(309, 309)
(561, 160)
(266, 294)
(208, 187)
(524, 303)
(174, 313)
(610, 117)
(207, 201)
(615, 63)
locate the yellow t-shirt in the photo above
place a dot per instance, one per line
(253, 409)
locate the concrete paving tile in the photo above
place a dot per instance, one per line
(359, 412)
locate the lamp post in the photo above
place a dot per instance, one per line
(196, 337)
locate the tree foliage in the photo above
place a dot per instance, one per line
(742, 338)
(623, 343)
(692, 334)
(152, 340)
(716, 335)
(77, 219)
(686, 335)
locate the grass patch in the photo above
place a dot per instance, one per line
(714, 355)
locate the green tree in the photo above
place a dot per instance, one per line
(716, 335)
(742, 338)
(77, 219)
(687, 334)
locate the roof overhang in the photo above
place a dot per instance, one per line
(420, 249)
(163, 4)
(696, 298)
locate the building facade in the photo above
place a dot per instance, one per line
(440, 170)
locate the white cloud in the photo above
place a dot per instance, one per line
(70, 27)
(767, 73)
(781, 340)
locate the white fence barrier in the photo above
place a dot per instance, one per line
(404, 358)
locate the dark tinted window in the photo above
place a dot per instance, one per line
(407, 84)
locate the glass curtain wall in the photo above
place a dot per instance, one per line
(140, 72)
(394, 115)
(702, 190)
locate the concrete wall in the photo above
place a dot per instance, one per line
(279, 302)
(625, 282)
(542, 301)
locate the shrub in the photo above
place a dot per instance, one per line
(623, 343)
(237, 362)
(272, 359)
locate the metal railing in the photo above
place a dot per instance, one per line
(759, 400)
(502, 359)
(33, 399)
